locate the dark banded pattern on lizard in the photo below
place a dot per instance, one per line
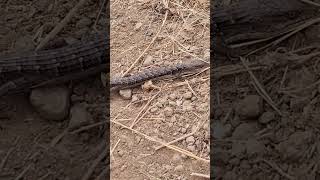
(22, 71)
(117, 83)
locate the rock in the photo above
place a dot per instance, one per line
(266, 117)
(187, 106)
(245, 131)
(153, 110)
(176, 158)
(250, 107)
(190, 140)
(173, 96)
(187, 95)
(238, 149)
(79, 116)
(254, 147)
(168, 111)
(135, 98)
(51, 103)
(137, 26)
(220, 130)
(126, 93)
(178, 168)
(148, 61)
(191, 148)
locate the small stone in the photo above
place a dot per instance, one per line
(137, 26)
(191, 148)
(148, 61)
(183, 130)
(172, 103)
(126, 93)
(250, 107)
(266, 117)
(254, 147)
(173, 96)
(187, 106)
(153, 110)
(120, 152)
(238, 149)
(245, 131)
(135, 98)
(234, 161)
(51, 103)
(79, 116)
(179, 168)
(220, 130)
(179, 102)
(176, 158)
(168, 111)
(190, 140)
(187, 95)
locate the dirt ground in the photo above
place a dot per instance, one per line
(32, 147)
(266, 117)
(179, 109)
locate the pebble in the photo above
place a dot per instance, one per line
(179, 168)
(191, 148)
(238, 149)
(187, 106)
(137, 26)
(168, 111)
(183, 130)
(187, 95)
(266, 117)
(148, 61)
(51, 103)
(176, 158)
(250, 107)
(173, 96)
(220, 130)
(126, 93)
(190, 140)
(254, 147)
(79, 116)
(153, 110)
(172, 103)
(245, 131)
(135, 98)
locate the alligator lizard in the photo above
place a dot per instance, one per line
(33, 69)
(22, 71)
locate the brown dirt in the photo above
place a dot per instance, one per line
(174, 111)
(25, 137)
(253, 140)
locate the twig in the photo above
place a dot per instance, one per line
(143, 109)
(200, 175)
(260, 88)
(175, 148)
(23, 172)
(311, 2)
(280, 171)
(94, 164)
(62, 24)
(4, 160)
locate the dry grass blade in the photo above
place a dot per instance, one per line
(260, 89)
(187, 153)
